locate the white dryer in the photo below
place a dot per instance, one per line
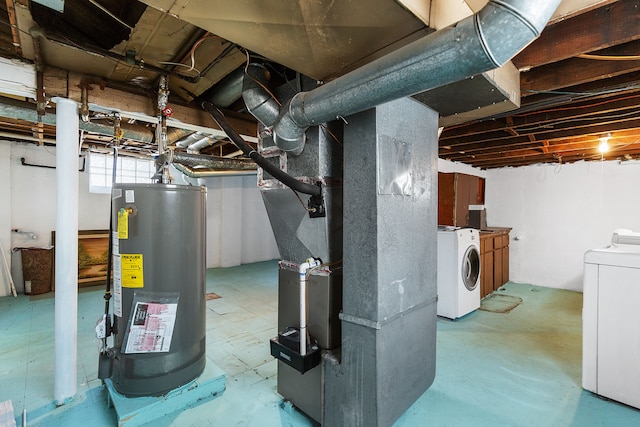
(611, 320)
(458, 271)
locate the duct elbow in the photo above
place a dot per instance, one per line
(505, 27)
(256, 97)
(288, 135)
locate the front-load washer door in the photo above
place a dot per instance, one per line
(471, 268)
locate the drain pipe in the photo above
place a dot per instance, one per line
(302, 270)
(476, 44)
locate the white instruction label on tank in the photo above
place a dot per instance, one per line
(151, 327)
(115, 245)
(117, 286)
(129, 196)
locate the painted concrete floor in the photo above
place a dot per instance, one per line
(517, 369)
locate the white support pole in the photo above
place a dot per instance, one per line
(66, 294)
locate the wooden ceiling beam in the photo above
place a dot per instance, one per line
(511, 124)
(600, 89)
(603, 124)
(555, 78)
(600, 28)
(618, 139)
(578, 70)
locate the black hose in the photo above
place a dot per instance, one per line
(274, 171)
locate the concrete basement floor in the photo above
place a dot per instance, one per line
(517, 369)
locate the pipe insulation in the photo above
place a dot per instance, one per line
(476, 44)
(211, 162)
(208, 173)
(66, 271)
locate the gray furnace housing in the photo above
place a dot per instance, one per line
(167, 227)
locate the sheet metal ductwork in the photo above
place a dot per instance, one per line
(211, 162)
(476, 44)
(378, 189)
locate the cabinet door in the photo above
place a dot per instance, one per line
(466, 194)
(505, 263)
(497, 268)
(446, 198)
(486, 274)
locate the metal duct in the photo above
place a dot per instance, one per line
(203, 143)
(476, 44)
(208, 173)
(190, 139)
(228, 91)
(257, 100)
(214, 163)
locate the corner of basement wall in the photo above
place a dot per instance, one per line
(558, 212)
(5, 217)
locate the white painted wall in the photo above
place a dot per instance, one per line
(558, 213)
(5, 218)
(238, 230)
(246, 236)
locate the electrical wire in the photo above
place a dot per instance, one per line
(570, 108)
(301, 202)
(266, 89)
(610, 57)
(192, 51)
(178, 64)
(333, 136)
(596, 93)
(108, 12)
(117, 58)
(577, 119)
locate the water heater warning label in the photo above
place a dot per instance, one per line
(123, 224)
(151, 327)
(131, 268)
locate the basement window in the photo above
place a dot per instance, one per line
(129, 170)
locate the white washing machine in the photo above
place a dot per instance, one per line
(611, 320)
(458, 271)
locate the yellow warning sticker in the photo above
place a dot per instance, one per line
(131, 267)
(123, 224)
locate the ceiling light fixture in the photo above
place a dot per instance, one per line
(604, 143)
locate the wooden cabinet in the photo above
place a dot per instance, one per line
(486, 264)
(494, 258)
(456, 191)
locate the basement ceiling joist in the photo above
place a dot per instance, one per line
(567, 99)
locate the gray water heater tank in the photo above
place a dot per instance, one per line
(158, 287)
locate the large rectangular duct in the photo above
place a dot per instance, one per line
(389, 275)
(487, 94)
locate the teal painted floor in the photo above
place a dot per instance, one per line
(517, 369)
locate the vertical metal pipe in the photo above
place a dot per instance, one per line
(66, 294)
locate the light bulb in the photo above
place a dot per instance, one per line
(604, 143)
